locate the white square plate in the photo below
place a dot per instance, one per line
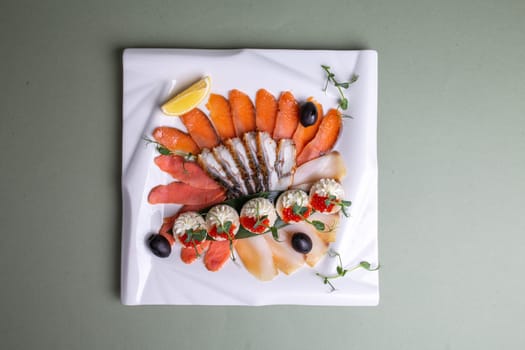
(150, 76)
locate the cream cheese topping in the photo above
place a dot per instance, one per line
(292, 197)
(187, 221)
(259, 207)
(328, 187)
(220, 214)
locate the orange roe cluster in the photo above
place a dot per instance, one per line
(290, 216)
(249, 223)
(319, 203)
(213, 232)
(184, 241)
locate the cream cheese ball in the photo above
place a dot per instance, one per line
(293, 199)
(325, 196)
(189, 221)
(219, 218)
(252, 213)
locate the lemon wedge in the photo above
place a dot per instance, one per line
(188, 99)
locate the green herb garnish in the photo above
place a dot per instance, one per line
(260, 219)
(341, 271)
(343, 204)
(275, 234)
(330, 78)
(198, 235)
(300, 211)
(160, 148)
(224, 227)
(189, 157)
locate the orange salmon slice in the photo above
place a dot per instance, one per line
(200, 128)
(302, 134)
(181, 193)
(221, 116)
(287, 117)
(265, 111)
(185, 171)
(217, 255)
(243, 112)
(175, 140)
(324, 139)
(189, 254)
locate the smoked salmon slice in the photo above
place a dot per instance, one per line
(243, 112)
(186, 171)
(303, 134)
(181, 193)
(200, 128)
(221, 116)
(197, 207)
(287, 117)
(265, 111)
(189, 254)
(324, 139)
(167, 225)
(217, 255)
(175, 140)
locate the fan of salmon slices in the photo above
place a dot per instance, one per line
(244, 148)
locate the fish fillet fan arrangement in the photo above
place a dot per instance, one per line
(240, 150)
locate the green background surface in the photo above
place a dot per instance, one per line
(451, 156)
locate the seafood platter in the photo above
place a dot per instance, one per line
(249, 177)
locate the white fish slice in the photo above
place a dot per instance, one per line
(285, 164)
(209, 163)
(267, 154)
(223, 156)
(331, 223)
(284, 256)
(330, 165)
(319, 247)
(250, 143)
(240, 155)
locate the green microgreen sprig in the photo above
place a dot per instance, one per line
(196, 235)
(260, 221)
(300, 211)
(341, 271)
(188, 156)
(224, 227)
(260, 218)
(330, 78)
(342, 203)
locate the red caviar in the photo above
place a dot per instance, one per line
(290, 216)
(319, 203)
(183, 240)
(214, 234)
(249, 223)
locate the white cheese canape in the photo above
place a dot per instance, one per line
(293, 206)
(258, 215)
(326, 196)
(190, 228)
(223, 222)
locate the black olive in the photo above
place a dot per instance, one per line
(160, 246)
(301, 243)
(308, 114)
